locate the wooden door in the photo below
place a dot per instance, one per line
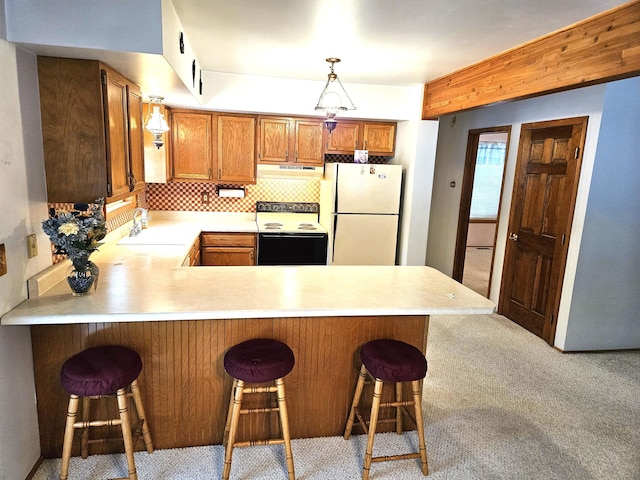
(308, 142)
(136, 138)
(274, 140)
(192, 145)
(379, 138)
(236, 149)
(117, 134)
(344, 138)
(544, 192)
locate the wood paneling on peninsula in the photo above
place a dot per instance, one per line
(602, 48)
(185, 388)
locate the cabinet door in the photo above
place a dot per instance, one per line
(192, 145)
(228, 256)
(344, 138)
(117, 120)
(308, 142)
(273, 140)
(136, 139)
(73, 129)
(379, 138)
(236, 159)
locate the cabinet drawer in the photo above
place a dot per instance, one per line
(228, 240)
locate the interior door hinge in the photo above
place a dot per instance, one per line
(563, 239)
(551, 319)
(577, 153)
(104, 78)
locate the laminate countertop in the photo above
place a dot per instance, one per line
(147, 282)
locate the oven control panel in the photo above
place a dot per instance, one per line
(288, 207)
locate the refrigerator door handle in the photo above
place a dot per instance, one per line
(333, 238)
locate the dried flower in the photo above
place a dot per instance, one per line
(76, 233)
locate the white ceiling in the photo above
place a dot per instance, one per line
(387, 42)
(380, 42)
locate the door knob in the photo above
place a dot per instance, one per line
(513, 236)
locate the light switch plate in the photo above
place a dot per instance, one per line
(3, 260)
(32, 245)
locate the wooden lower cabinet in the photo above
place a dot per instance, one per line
(185, 389)
(230, 249)
(194, 254)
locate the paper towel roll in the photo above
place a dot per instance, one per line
(231, 192)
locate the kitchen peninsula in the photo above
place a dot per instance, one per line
(182, 319)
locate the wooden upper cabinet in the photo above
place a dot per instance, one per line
(344, 138)
(378, 138)
(192, 145)
(284, 140)
(89, 148)
(273, 146)
(136, 138)
(236, 159)
(308, 142)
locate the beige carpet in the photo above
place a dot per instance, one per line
(477, 268)
(499, 404)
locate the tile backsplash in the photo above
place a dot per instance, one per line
(188, 196)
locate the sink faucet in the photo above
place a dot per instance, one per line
(136, 228)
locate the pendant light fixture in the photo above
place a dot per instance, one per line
(334, 98)
(156, 122)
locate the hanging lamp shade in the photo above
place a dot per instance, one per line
(334, 98)
(156, 122)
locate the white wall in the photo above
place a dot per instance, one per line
(23, 207)
(605, 304)
(450, 157)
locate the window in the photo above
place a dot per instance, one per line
(487, 180)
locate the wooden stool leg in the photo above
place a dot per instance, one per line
(235, 417)
(399, 408)
(123, 408)
(227, 424)
(137, 399)
(373, 420)
(416, 386)
(284, 420)
(84, 450)
(72, 411)
(362, 376)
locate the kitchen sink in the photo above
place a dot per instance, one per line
(162, 236)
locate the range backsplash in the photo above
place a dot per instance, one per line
(188, 196)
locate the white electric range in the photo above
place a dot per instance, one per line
(289, 234)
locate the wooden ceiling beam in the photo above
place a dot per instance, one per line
(600, 49)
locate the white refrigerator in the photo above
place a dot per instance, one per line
(359, 207)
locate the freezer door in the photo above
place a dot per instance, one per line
(364, 239)
(368, 188)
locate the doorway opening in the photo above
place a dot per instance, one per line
(480, 200)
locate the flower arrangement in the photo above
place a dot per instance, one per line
(77, 233)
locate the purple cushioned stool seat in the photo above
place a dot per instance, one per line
(393, 360)
(100, 370)
(259, 360)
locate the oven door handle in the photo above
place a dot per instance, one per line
(291, 235)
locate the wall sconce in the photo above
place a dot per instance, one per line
(334, 97)
(156, 122)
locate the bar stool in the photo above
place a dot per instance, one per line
(396, 362)
(257, 361)
(100, 372)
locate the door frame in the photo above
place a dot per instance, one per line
(551, 322)
(466, 193)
